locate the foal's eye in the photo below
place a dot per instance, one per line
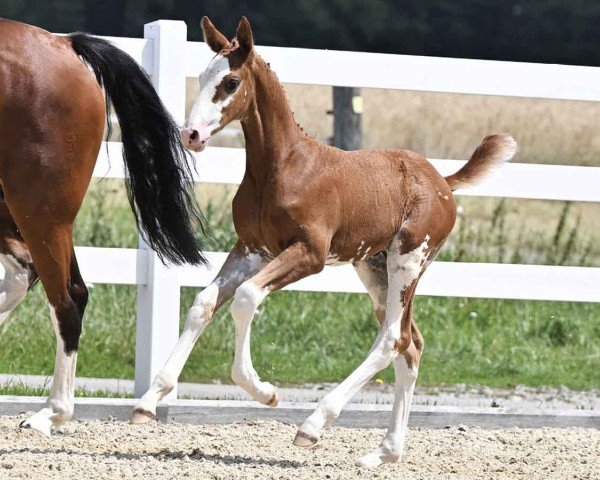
(231, 85)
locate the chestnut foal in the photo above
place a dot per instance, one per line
(303, 205)
(52, 118)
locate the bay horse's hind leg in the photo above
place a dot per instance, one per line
(19, 273)
(51, 248)
(391, 280)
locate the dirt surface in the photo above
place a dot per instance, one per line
(263, 450)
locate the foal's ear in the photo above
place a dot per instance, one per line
(244, 35)
(215, 39)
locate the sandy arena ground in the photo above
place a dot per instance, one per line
(263, 450)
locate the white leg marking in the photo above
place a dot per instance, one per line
(59, 407)
(376, 282)
(197, 319)
(14, 285)
(402, 269)
(247, 299)
(392, 446)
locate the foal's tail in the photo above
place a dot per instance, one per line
(494, 150)
(158, 177)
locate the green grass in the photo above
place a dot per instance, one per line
(309, 337)
(21, 390)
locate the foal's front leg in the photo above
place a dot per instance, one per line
(239, 266)
(298, 261)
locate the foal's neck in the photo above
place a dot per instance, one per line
(269, 128)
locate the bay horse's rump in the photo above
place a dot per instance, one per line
(52, 104)
(51, 119)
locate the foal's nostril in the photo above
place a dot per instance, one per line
(194, 135)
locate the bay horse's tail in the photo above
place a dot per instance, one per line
(158, 177)
(494, 150)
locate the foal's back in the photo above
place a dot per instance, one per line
(374, 193)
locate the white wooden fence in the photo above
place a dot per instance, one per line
(165, 53)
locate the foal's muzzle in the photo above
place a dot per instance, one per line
(193, 140)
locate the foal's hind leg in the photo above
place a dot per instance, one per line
(406, 366)
(404, 265)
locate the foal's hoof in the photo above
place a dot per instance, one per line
(378, 457)
(374, 460)
(305, 440)
(141, 416)
(274, 400)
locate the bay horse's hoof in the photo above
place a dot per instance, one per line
(304, 440)
(42, 427)
(140, 416)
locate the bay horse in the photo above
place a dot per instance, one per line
(303, 205)
(52, 120)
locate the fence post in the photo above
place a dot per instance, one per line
(347, 124)
(157, 328)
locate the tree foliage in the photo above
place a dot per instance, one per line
(548, 31)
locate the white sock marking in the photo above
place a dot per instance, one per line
(59, 407)
(247, 299)
(392, 445)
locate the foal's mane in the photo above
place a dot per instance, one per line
(264, 64)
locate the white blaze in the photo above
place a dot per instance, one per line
(206, 114)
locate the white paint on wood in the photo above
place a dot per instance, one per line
(448, 279)
(158, 300)
(426, 74)
(511, 180)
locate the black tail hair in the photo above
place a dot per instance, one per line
(158, 177)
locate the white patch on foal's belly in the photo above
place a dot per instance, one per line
(333, 259)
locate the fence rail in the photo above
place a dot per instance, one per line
(426, 74)
(512, 180)
(169, 59)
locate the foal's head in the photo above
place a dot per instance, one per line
(226, 86)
